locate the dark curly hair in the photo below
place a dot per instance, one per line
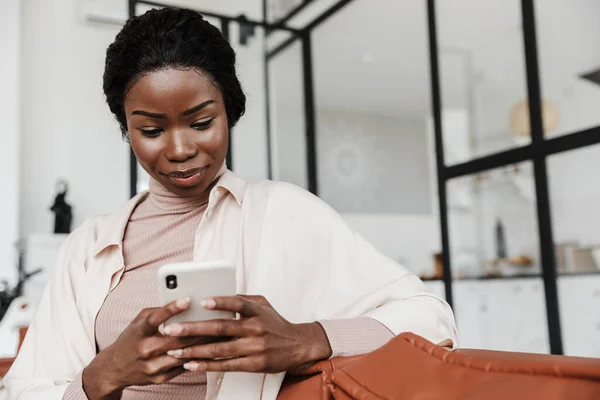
(170, 38)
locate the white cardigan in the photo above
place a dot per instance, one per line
(287, 245)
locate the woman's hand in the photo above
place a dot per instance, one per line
(138, 356)
(262, 340)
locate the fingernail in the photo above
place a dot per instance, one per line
(190, 366)
(173, 329)
(175, 353)
(183, 302)
(208, 303)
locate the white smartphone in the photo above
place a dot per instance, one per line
(196, 280)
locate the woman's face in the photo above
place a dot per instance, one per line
(178, 129)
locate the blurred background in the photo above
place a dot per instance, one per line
(460, 138)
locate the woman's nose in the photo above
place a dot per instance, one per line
(180, 147)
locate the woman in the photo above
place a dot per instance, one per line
(170, 81)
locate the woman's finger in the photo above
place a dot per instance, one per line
(155, 346)
(233, 348)
(241, 364)
(160, 315)
(261, 300)
(237, 304)
(213, 328)
(161, 365)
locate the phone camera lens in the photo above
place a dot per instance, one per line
(171, 282)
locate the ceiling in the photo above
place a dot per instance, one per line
(116, 10)
(372, 56)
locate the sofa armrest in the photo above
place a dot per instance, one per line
(411, 367)
(311, 382)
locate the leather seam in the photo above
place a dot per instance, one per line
(332, 378)
(444, 357)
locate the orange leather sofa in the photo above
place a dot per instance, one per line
(410, 367)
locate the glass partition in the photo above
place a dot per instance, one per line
(493, 224)
(482, 74)
(287, 116)
(375, 157)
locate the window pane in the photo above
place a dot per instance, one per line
(286, 101)
(373, 110)
(375, 153)
(249, 137)
(569, 58)
(482, 73)
(574, 198)
(493, 223)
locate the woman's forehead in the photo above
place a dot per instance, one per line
(172, 86)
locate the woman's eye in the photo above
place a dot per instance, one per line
(200, 126)
(151, 132)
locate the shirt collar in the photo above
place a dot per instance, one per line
(232, 184)
(113, 227)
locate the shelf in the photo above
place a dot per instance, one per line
(515, 277)
(583, 273)
(432, 280)
(497, 278)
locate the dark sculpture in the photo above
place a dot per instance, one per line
(61, 209)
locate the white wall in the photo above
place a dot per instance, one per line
(10, 38)
(411, 240)
(370, 163)
(249, 148)
(376, 171)
(67, 130)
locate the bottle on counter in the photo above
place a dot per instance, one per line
(500, 240)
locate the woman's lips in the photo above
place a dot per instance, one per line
(186, 178)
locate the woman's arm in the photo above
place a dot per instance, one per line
(338, 275)
(353, 336)
(377, 288)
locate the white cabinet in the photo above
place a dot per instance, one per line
(579, 305)
(504, 314)
(41, 252)
(517, 316)
(470, 309)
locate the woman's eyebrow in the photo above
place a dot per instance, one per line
(185, 113)
(149, 114)
(197, 108)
